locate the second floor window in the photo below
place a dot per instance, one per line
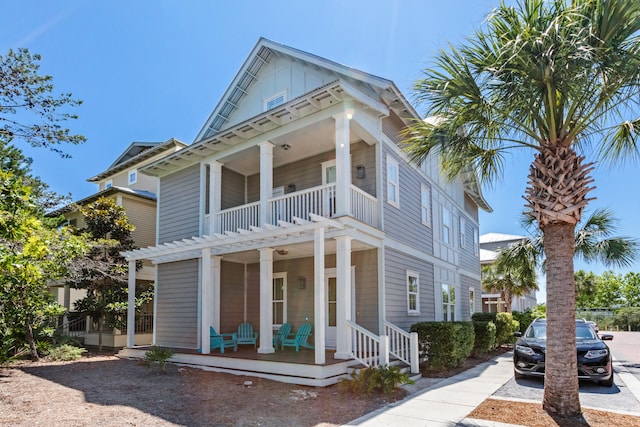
(446, 225)
(425, 202)
(476, 242)
(463, 233)
(133, 176)
(393, 182)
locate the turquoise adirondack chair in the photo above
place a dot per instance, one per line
(246, 334)
(300, 338)
(282, 333)
(222, 341)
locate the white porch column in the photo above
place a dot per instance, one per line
(319, 296)
(266, 301)
(131, 307)
(343, 164)
(343, 297)
(215, 314)
(206, 301)
(266, 180)
(215, 191)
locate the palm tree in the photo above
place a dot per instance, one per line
(560, 79)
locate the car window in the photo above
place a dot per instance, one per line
(537, 331)
(585, 333)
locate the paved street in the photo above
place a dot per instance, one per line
(623, 396)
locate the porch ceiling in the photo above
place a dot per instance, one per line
(280, 237)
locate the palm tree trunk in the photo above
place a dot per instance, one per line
(561, 381)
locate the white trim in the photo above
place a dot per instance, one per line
(395, 185)
(282, 275)
(326, 165)
(476, 242)
(463, 231)
(133, 172)
(409, 274)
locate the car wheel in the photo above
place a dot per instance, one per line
(607, 382)
(517, 375)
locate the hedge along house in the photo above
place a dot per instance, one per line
(295, 203)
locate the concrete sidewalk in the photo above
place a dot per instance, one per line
(446, 402)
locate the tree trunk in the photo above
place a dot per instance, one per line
(100, 333)
(561, 385)
(31, 341)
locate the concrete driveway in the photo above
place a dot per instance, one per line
(625, 394)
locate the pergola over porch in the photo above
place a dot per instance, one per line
(311, 233)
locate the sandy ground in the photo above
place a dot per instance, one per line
(108, 391)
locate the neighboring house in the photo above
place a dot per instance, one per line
(295, 203)
(492, 302)
(137, 194)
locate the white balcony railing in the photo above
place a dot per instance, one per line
(319, 200)
(243, 217)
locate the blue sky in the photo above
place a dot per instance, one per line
(149, 70)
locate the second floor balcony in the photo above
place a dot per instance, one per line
(319, 200)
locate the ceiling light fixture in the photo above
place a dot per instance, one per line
(285, 147)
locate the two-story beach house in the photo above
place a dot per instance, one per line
(295, 203)
(136, 193)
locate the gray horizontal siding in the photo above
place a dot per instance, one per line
(232, 189)
(468, 259)
(366, 288)
(177, 305)
(179, 205)
(396, 266)
(405, 223)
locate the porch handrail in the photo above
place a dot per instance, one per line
(364, 206)
(243, 216)
(368, 348)
(318, 200)
(73, 328)
(403, 345)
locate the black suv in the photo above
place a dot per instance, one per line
(594, 357)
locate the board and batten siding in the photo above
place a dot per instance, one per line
(396, 296)
(179, 205)
(469, 261)
(404, 223)
(177, 304)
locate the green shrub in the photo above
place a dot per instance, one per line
(444, 344)
(375, 380)
(627, 318)
(65, 352)
(158, 355)
(524, 317)
(505, 327)
(485, 337)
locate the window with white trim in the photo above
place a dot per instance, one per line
(425, 202)
(446, 225)
(472, 301)
(393, 182)
(108, 184)
(413, 292)
(275, 100)
(476, 242)
(279, 298)
(133, 176)
(448, 302)
(463, 232)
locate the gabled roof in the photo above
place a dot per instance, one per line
(262, 53)
(107, 192)
(136, 153)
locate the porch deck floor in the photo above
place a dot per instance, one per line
(246, 352)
